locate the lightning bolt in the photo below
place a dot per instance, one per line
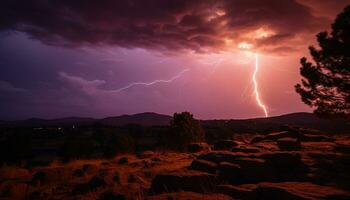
(256, 90)
(153, 82)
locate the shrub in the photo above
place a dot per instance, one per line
(184, 130)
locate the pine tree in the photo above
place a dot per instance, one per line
(325, 85)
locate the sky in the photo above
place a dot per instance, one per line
(61, 58)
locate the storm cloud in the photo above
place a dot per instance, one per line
(101, 58)
(174, 25)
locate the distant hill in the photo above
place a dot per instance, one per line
(143, 119)
(35, 122)
(304, 120)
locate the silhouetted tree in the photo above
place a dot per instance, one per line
(184, 130)
(326, 82)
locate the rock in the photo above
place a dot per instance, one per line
(94, 184)
(283, 190)
(222, 156)
(256, 139)
(204, 166)
(286, 166)
(34, 196)
(146, 154)
(343, 146)
(254, 170)
(187, 180)
(267, 191)
(197, 147)
(238, 192)
(116, 177)
(78, 173)
(283, 134)
(38, 178)
(81, 188)
(105, 163)
(13, 190)
(132, 178)
(123, 160)
(282, 159)
(288, 144)
(188, 196)
(268, 146)
(245, 149)
(275, 136)
(225, 145)
(299, 190)
(49, 175)
(229, 172)
(315, 138)
(110, 195)
(89, 168)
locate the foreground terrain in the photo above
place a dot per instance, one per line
(292, 164)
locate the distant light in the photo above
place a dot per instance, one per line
(244, 45)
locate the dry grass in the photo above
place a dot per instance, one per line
(135, 176)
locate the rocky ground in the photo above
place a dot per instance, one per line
(292, 164)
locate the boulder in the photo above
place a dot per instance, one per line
(93, 184)
(238, 192)
(197, 147)
(146, 154)
(204, 166)
(282, 159)
(48, 175)
(254, 170)
(245, 149)
(257, 139)
(283, 134)
(123, 160)
(225, 145)
(299, 190)
(188, 196)
(14, 190)
(278, 135)
(222, 156)
(288, 144)
(78, 173)
(315, 138)
(229, 172)
(285, 166)
(343, 146)
(89, 168)
(96, 182)
(186, 180)
(283, 190)
(38, 178)
(110, 195)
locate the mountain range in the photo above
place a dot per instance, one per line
(302, 119)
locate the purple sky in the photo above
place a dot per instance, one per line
(62, 59)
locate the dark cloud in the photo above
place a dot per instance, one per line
(198, 25)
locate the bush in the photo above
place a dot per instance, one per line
(184, 130)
